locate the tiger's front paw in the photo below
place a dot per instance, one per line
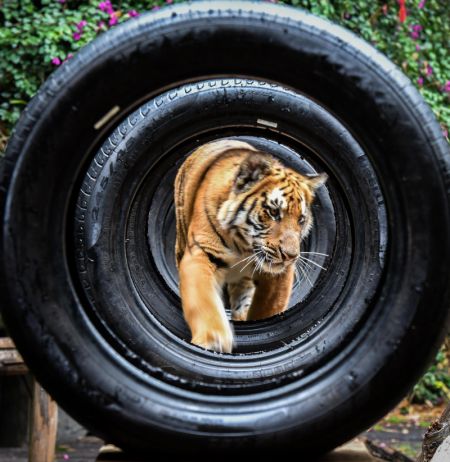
(216, 339)
(240, 314)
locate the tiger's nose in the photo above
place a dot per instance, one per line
(289, 246)
(288, 254)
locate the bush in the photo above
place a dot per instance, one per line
(434, 386)
(38, 35)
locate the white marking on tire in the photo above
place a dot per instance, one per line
(107, 117)
(267, 123)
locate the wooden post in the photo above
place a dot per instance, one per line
(436, 435)
(44, 423)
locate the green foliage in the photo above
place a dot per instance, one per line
(37, 35)
(420, 45)
(435, 384)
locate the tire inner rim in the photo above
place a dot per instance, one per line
(344, 235)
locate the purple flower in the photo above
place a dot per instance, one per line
(429, 70)
(169, 2)
(56, 61)
(421, 4)
(76, 36)
(416, 29)
(447, 86)
(417, 47)
(420, 81)
(133, 13)
(156, 7)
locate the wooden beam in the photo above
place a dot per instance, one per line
(44, 426)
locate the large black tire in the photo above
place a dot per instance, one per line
(89, 289)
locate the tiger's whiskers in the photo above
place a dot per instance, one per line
(304, 259)
(299, 264)
(316, 253)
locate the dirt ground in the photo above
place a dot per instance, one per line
(403, 429)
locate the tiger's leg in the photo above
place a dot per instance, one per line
(271, 295)
(202, 303)
(241, 295)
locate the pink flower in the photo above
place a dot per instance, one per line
(66, 457)
(420, 81)
(417, 47)
(81, 25)
(169, 2)
(56, 61)
(445, 132)
(429, 70)
(69, 56)
(447, 86)
(113, 19)
(133, 13)
(77, 35)
(421, 4)
(106, 6)
(156, 7)
(385, 9)
(415, 35)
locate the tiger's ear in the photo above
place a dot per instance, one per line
(315, 181)
(253, 169)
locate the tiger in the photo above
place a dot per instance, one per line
(241, 216)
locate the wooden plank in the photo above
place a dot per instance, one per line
(353, 451)
(11, 363)
(44, 425)
(10, 356)
(6, 342)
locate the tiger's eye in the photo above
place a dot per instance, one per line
(274, 214)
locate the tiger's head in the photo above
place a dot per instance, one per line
(268, 211)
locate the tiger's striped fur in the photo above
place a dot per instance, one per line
(240, 217)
